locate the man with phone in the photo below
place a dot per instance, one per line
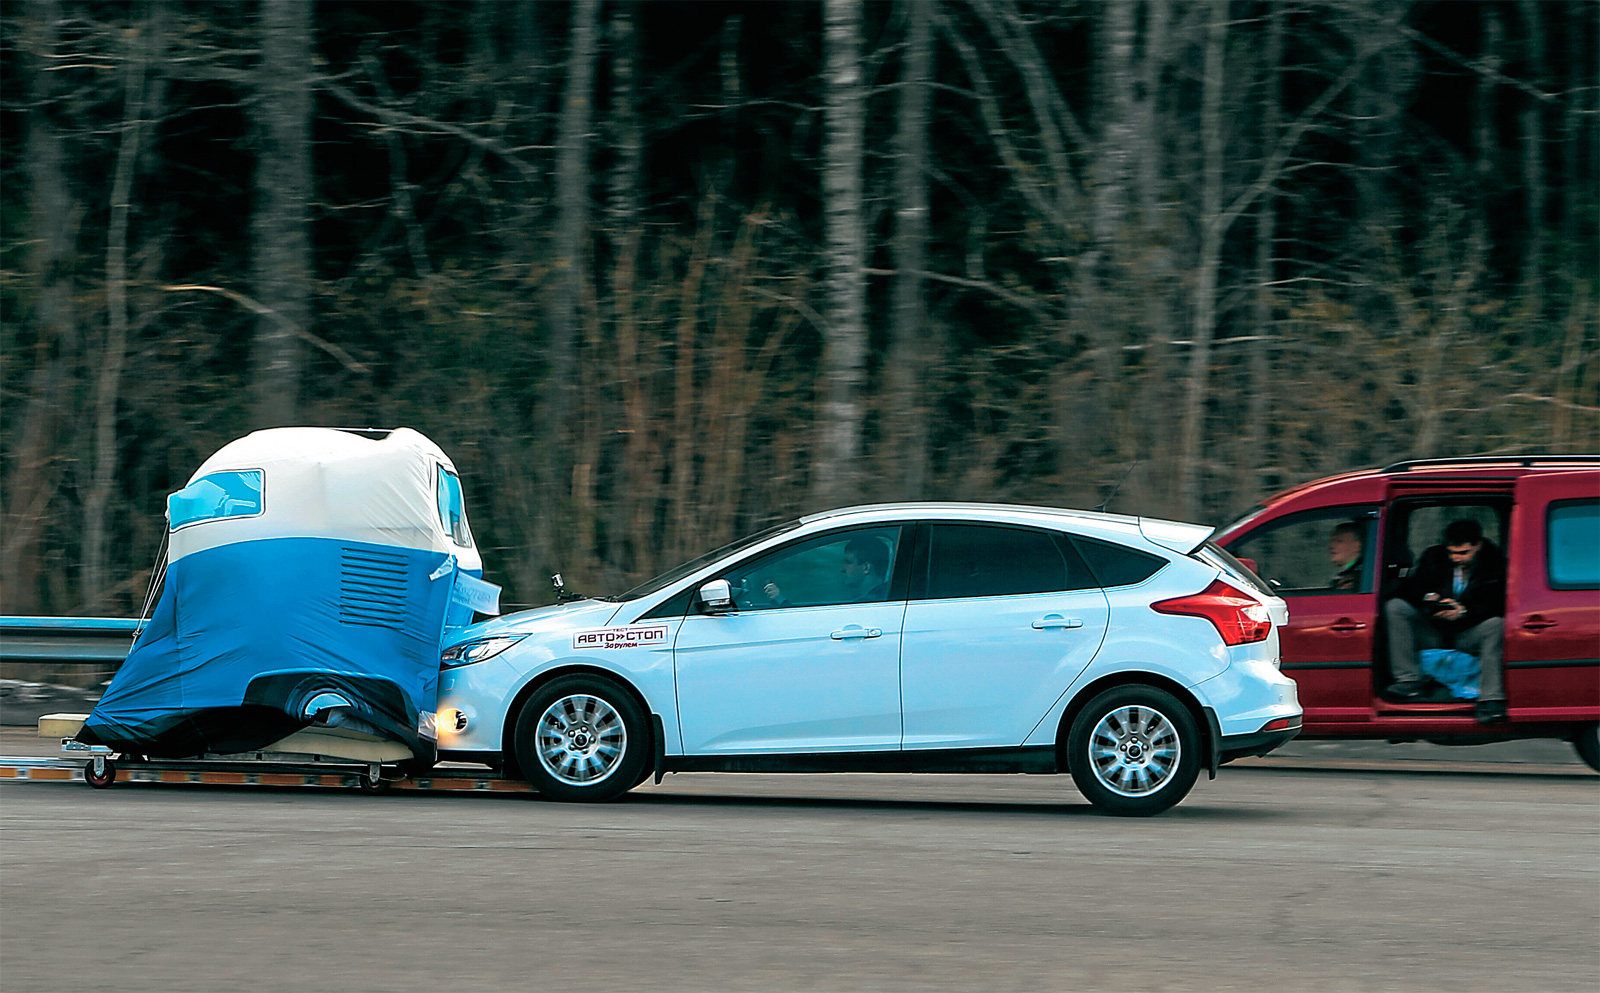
(1455, 597)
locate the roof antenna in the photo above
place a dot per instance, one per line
(1107, 501)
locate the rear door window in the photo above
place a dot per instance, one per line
(978, 560)
(1573, 544)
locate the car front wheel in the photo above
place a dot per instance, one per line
(1134, 751)
(582, 738)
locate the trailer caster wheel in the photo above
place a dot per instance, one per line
(102, 777)
(372, 786)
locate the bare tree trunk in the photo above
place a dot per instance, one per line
(1151, 143)
(685, 400)
(1156, 288)
(640, 470)
(910, 341)
(109, 382)
(844, 352)
(280, 226)
(1261, 381)
(1483, 104)
(1207, 265)
(1533, 177)
(31, 466)
(561, 392)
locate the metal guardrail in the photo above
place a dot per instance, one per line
(65, 640)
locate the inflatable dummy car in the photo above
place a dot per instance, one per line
(311, 576)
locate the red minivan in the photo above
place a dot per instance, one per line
(1541, 512)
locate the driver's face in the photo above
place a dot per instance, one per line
(1344, 548)
(855, 572)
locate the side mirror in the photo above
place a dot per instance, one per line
(716, 597)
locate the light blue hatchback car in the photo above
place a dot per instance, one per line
(916, 637)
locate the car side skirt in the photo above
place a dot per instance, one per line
(1036, 759)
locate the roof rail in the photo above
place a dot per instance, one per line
(1522, 460)
(375, 433)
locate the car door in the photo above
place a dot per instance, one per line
(1000, 622)
(1553, 597)
(809, 658)
(1328, 644)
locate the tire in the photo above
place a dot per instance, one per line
(1134, 751)
(102, 781)
(1588, 745)
(372, 787)
(582, 739)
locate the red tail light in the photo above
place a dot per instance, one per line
(1237, 617)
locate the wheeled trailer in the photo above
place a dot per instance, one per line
(342, 762)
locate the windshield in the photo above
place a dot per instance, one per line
(1244, 519)
(672, 576)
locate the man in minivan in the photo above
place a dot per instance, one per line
(1455, 597)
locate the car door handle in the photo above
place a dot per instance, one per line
(1057, 621)
(1538, 622)
(851, 631)
(1345, 625)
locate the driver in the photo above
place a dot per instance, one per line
(1344, 551)
(864, 574)
(866, 570)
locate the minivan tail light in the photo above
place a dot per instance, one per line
(1238, 617)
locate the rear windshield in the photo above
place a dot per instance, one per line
(1217, 557)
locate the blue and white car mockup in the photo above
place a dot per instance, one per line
(911, 638)
(312, 575)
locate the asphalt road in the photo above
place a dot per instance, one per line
(1266, 879)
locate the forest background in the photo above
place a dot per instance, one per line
(656, 274)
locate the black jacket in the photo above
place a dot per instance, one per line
(1484, 597)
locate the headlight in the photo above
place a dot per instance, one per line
(469, 652)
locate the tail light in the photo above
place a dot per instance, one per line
(1237, 616)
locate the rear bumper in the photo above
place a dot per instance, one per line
(1238, 746)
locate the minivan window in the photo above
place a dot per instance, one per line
(452, 510)
(217, 495)
(1217, 557)
(975, 560)
(1322, 552)
(1573, 545)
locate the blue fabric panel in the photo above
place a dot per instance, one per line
(1458, 671)
(147, 683)
(260, 625)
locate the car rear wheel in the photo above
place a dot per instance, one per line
(1134, 751)
(1588, 745)
(582, 738)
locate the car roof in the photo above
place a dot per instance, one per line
(1477, 467)
(1175, 535)
(937, 509)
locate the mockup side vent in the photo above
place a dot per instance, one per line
(372, 588)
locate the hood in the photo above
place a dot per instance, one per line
(579, 613)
